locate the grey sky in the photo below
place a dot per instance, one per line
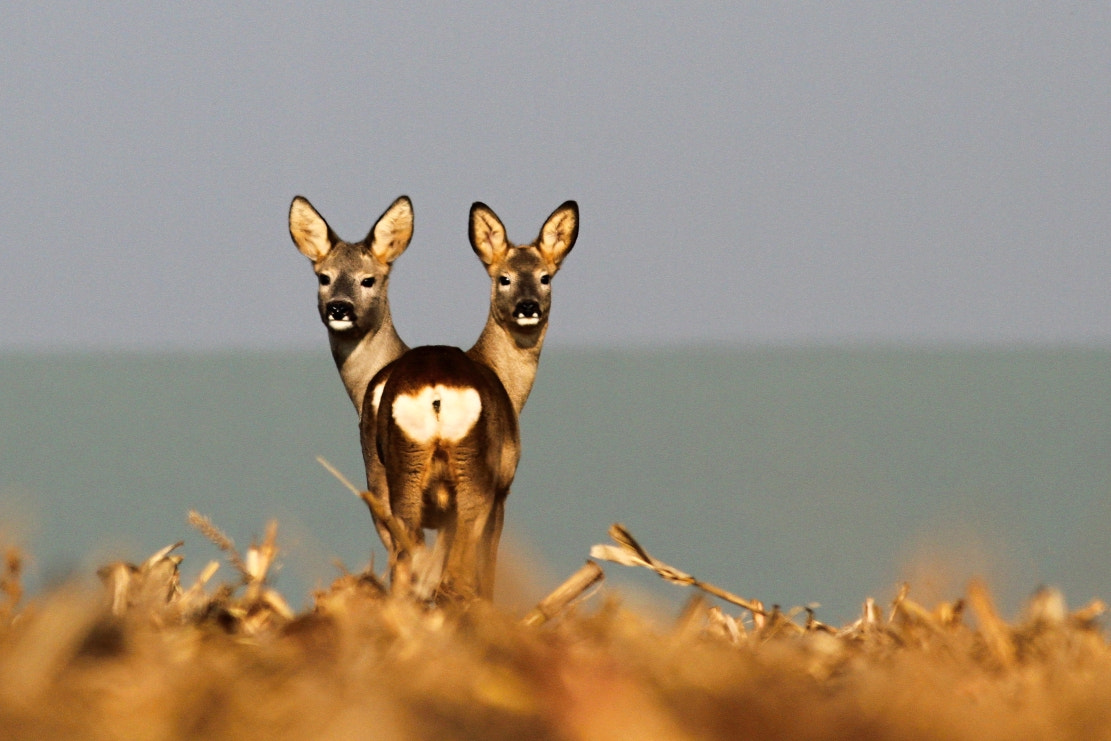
(787, 172)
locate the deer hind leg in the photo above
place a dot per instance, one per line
(468, 527)
(379, 492)
(403, 563)
(503, 461)
(461, 579)
(407, 510)
(488, 549)
(428, 566)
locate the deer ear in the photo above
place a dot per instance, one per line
(392, 232)
(487, 234)
(310, 232)
(559, 233)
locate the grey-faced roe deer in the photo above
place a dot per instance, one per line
(353, 278)
(353, 302)
(442, 423)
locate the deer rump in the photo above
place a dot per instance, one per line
(445, 434)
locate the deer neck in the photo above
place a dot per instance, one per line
(514, 357)
(359, 359)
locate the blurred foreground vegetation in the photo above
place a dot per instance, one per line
(147, 657)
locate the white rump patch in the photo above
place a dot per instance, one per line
(415, 416)
(376, 396)
(437, 413)
(459, 410)
(340, 325)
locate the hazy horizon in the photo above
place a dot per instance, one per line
(787, 475)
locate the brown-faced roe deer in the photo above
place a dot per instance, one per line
(442, 423)
(352, 296)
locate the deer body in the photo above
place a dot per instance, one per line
(440, 425)
(352, 296)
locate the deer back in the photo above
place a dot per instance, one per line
(439, 414)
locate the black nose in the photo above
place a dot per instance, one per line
(340, 310)
(527, 309)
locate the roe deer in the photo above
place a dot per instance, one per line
(352, 300)
(353, 279)
(443, 423)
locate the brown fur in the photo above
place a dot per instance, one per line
(460, 488)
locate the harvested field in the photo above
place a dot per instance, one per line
(150, 658)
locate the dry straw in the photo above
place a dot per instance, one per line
(149, 659)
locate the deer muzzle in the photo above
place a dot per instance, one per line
(339, 315)
(527, 313)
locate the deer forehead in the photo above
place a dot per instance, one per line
(526, 259)
(350, 258)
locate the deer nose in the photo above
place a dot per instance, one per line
(527, 310)
(340, 311)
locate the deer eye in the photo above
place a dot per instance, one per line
(545, 279)
(504, 280)
(367, 282)
(324, 279)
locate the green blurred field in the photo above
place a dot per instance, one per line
(803, 475)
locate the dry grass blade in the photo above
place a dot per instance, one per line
(631, 553)
(566, 593)
(625, 539)
(1087, 615)
(149, 587)
(11, 583)
(727, 626)
(220, 540)
(996, 633)
(260, 558)
(377, 508)
(813, 624)
(342, 479)
(692, 618)
(194, 598)
(160, 555)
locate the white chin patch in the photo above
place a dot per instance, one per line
(340, 325)
(528, 321)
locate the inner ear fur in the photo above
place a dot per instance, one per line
(390, 235)
(487, 234)
(309, 230)
(559, 233)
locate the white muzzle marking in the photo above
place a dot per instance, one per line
(340, 325)
(528, 321)
(437, 412)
